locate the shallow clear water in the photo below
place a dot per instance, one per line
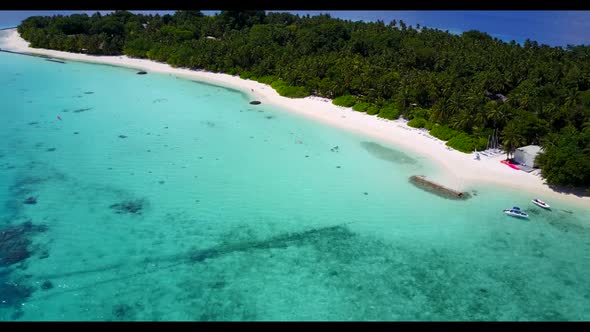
(160, 198)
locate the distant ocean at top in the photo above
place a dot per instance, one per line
(554, 28)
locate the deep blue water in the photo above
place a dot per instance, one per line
(555, 28)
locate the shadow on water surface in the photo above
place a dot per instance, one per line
(280, 241)
(15, 248)
(381, 277)
(388, 154)
(16, 235)
(151, 265)
(17, 231)
(242, 94)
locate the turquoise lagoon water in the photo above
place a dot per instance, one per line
(160, 198)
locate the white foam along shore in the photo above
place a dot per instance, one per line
(459, 170)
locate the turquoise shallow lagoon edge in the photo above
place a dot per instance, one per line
(159, 198)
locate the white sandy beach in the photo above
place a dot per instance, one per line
(460, 171)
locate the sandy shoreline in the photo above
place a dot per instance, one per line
(459, 171)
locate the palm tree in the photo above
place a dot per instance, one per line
(453, 105)
(479, 118)
(495, 113)
(571, 99)
(402, 25)
(461, 120)
(440, 110)
(511, 139)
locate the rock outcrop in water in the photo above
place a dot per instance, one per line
(16, 247)
(54, 60)
(421, 182)
(13, 293)
(30, 200)
(129, 207)
(15, 241)
(122, 312)
(80, 110)
(46, 285)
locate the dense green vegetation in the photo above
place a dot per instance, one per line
(286, 90)
(361, 107)
(417, 123)
(346, 101)
(443, 132)
(567, 157)
(388, 111)
(461, 87)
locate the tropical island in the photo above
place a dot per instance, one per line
(462, 89)
(255, 166)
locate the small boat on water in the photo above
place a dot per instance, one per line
(516, 212)
(540, 203)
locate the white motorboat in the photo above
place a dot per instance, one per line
(540, 203)
(516, 212)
